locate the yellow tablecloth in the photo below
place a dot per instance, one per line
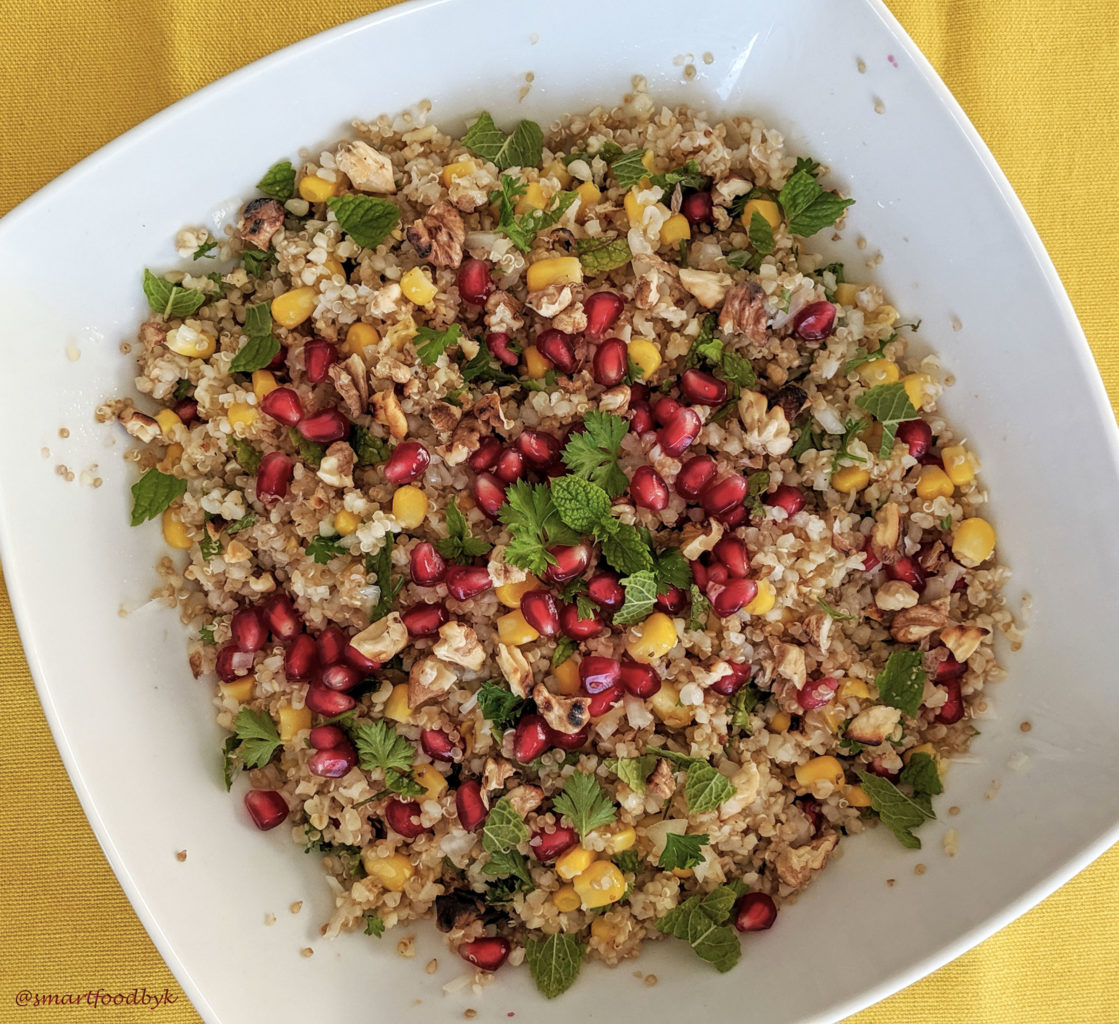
(1039, 79)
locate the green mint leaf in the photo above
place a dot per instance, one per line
(309, 451)
(756, 488)
(183, 389)
(738, 370)
(681, 761)
(743, 259)
(700, 608)
(688, 176)
(459, 544)
(761, 234)
(323, 549)
(807, 440)
(206, 635)
(584, 803)
(682, 851)
(369, 450)
(258, 320)
(256, 261)
(594, 453)
(706, 787)
(901, 683)
(169, 299)
(706, 346)
(535, 525)
(808, 165)
(504, 828)
(565, 647)
(374, 925)
(554, 962)
(921, 773)
(899, 813)
(623, 546)
(500, 705)
(368, 220)
(248, 457)
(258, 738)
(255, 354)
(278, 181)
(672, 569)
(380, 746)
(523, 148)
(153, 494)
(600, 255)
(808, 207)
(890, 405)
(700, 921)
(505, 863)
(484, 369)
(641, 595)
(431, 344)
(629, 168)
(523, 229)
(204, 250)
(580, 503)
(741, 705)
(209, 546)
(633, 771)
(835, 613)
(379, 566)
(242, 524)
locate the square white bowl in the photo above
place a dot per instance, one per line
(137, 732)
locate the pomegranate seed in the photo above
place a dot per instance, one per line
(725, 494)
(437, 745)
(324, 427)
(602, 310)
(540, 449)
(731, 683)
(815, 322)
(547, 846)
(540, 612)
(870, 561)
(671, 601)
(283, 405)
(674, 437)
(467, 581)
(474, 284)
(332, 644)
(665, 409)
(609, 364)
(318, 357)
(791, 499)
(359, 661)
(952, 710)
(569, 740)
(917, 434)
(301, 658)
(510, 466)
(734, 517)
(324, 737)
(489, 494)
(530, 738)
(695, 475)
(485, 455)
(639, 680)
(273, 476)
(932, 458)
(425, 565)
(640, 418)
(731, 551)
(597, 673)
(499, 345)
(878, 767)
(909, 571)
(648, 489)
(754, 912)
(248, 629)
(266, 807)
(186, 409)
(557, 348)
(638, 393)
(734, 597)
(810, 808)
(603, 701)
(698, 208)
(569, 562)
(604, 589)
(469, 805)
(487, 953)
(403, 816)
(408, 461)
(282, 618)
(702, 388)
(340, 677)
(576, 628)
(233, 663)
(699, 574)
(717, 574)
(278, 360)
(332, 763)
(329, 702)
(817, 694)
(424, 619)
(949, 668)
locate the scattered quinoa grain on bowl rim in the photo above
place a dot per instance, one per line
(579, 558)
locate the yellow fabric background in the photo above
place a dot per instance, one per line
(1040, 79)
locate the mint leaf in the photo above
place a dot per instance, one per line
(522, 148)
(706, 787)
(600, 255)
(255, 354)
(594, 453)
(738, 370)
(256, 260)
(484, 369)
(641, 595)
(204, 250)
(323, 549)
(584, 803)
(672, 569)
(921, 773)
(741, 705)
(565, 647)
(504, 863)
(431, 344)
(623, 546)
(629, 168)
(504, 828)
(278, 181)
(379, 746)
(374, 925)
(500, 705)
(247, 455)
(808, 207)
(890, 405)
(229, 761)
(169, 299)
(898, 813)
(243, 523)
(700, 608)
(153, 494)
(633, 771)
(554, 962)
(369, 450)
(459, 544)
(700, 921)
(368, 220)
(688, 176)
(681, 851)
(581, 504)
(535, 525)
(901, 683)
(761, 234)
(257, 736)
(209, 546)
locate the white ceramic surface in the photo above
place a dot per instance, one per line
(136, 731)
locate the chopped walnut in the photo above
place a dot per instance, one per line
(351, 381)
(139, 424)
(391, 368)
(874, 725)
(487, 410)
(744, 312)
(818, 626)
(696, 538)
(887, 530)
(514, 666)
(260, 220)
(383, 639)
(525, 799)
(564, 714)
(501, 572)
(662, 782)
(236, 552)
(795, 866)
(459, 645)
(747, 783)
(444, 417)
(429, 679)
(911, 625)
(615, 400)
(337, 466)
(387, 410)
(894, 595)
(195, 661)
(463, 441)
(552, 300)
(788, 662)
(572, 320)
(503, 313)
(654, 279)
(963, 641)
(933, 558)
(766, 430)
(495, 771)
(438, 235)
(368, 169)
(708, 286)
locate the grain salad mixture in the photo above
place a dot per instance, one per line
(578, 556)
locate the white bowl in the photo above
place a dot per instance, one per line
(137, 732)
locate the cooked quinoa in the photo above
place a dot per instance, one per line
(577, 555)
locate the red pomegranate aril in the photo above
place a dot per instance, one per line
(329, 702)
(878, 767)
(695, 475)
(717, 575)
(699, 573)
(815, 321)
(547, 846)
(917, 434)
(702, 388)
(266, 807)
(364, 665)
(498, 344)
(530, 738)
(698, 208)
(340, 677)
(324, 427)
(791, 499)
(332, 763)
(675, 437)
(283, 405)
(485, 455)
(403, 816)
(597, 673)
(817, 693)
(424, 619)
(540, 612)
(469, 804)
(609, 363)
(733, 517)
(282, 618)
(318, 357)
(731, 551)
(474, 283)
(489, 494)
(570, 740)
(300, 658)
(641, 418)
(639, 680)
(437, 745)
(603, 701)
(754, 912)
(952, 710)
(602, 310)
(408, 461)
(467, 581)
(648, 489)
(557, 348)
(724, 494)
(734, 597)
(731, 683)
(186, 409)
(332, 644)
(569, 562)
(233, 663)
(248, 629)
(487, 953)
(425, 565)
(949, 668)
(671, 601)
(604, 589)
(908, 570)
(325, 737)
(638, 392)
(273, 476)
(870, 561)
(665, 409)
(510, 466)
(571, 625)
(278, 360)
(539, 448)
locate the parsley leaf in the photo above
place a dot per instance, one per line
(761, 234)
(700, 608)
(687, 176)
(534, 522)
(153, 494)
(565, 647)
(902, 682)
(700, 921)
(681, 851)
(641, 595)
(431, 344)
(169, 299)
(523, 148)
(379, 746)
(500, 704)
(808, 165)
(633, 771)
(807, 440)
(504, 828)
(890, 405)
(835, 613)
(369, 450)
(256, 260)
(380, 566)
(554, 962)
(204, 249)
(206, 635)
(594, 453)
(484, 369)
(921, 773)
(899, 813)
(599, 255)
(808, 206)
(581, 504)
(247, 455)
(523, 229)
(741, 705)
(368, 220)
(374, 925)
(629, 168)
(459, 544)
(323, 549)
(257, 736)
(584, 803)
(278, 181)
(623, 546)
(183, 389)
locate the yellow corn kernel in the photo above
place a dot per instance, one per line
(409, 506)
(820, 769)
(396, 707)
(432, 780)
(392, 871)
(675, 230)
(852, 688)
(683, 872)
(513, 629)
(510, 594)
(264, 383)
(557, 169)
(553, 270)
(600, 885)
(242, 414)
(918, 388)
(879, 371)
(418, 287)
(459, 169)
(566, 675)
(170, 458)
(652, 639)
(845, 293)
(239, 690)
(359, 337)
(766, 207)
(923, 748)
(318, 190)
(649, 162)
(189, 342)
(533, 199)
(850, 479)
(665, 704)
(293, 307)
(345, 522)
(168, 420)
(589, 195)
(764, 599)
(645, 355)
(973, 542)
(573, 863)
(334, 268)
(884, 314)
(635, 209)
(566, 899)
(959, 464)
(603, 930)
(856, 796)
(400, 333)
(175, 532)
(536, 364)
(621, 840)
(933, 483)
(780, 722)
(293, 721)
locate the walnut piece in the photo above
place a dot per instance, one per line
(444, 417)
(695, 539)
(438, 235)
(963, 641)
(818, 626)
(514, 666)
(873, 725)
(260, 220)
(352, 384)
(894, 595)
(887, 530)
(662, 782)
(913, 624)
(552, 300)
(368, 169)
(788, 662)
(429, 679)
(139, 424)
(708, 286)
(525, 799)
(796, 866)
(744, 312)
(495, 771)
(766, 429)
(337, 466)
(383, 639)
(564, 714)
(487, 410)
(387, 410)
(459, 645)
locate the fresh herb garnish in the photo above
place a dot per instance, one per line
(565, 647)
(509, 864)
(459, 544)
(554, 962)
(756, 488)
(641, 595)
(278, 181)
(535, 524)
(922, 774)
(256, 260)
(169, 299)
(379, 566)
(368, 220)
(243, 523)
(247, 455)
(624, 547)
(183, 389)
(761, 234)
(204, 250)
(431, 344)
(890, 405)
(599, 255)
(701, 922)
(946, 523)
(901, 683)
(851, 429)
(629, 168)
(633, 771)
(741, 705)
(369, 450)
(807, 440)
(729, 365)
(835, 613)
(209, 546)
(206, 635)
(700, 608)
(808, 207)
(261, 347)
(500, 705)
(323, 549)
(310, 452)
(584, 803)
(682, 851)
(594, 453)
(521, 230)
(257, 738)
(380, 746)
(522, 148)
(504, 828)
(898, 812)
(484, 369)
(705, 787)
(153, 494)
(688, 176)
(628, 861)
(374, 925)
